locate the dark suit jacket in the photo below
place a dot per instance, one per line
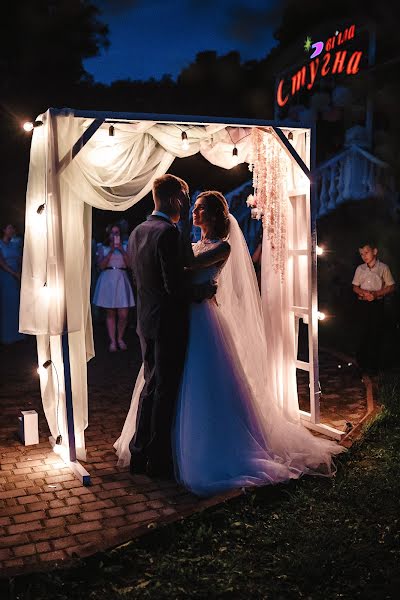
(157, 263)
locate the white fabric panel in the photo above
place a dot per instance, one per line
(279, 295)
(280, 330)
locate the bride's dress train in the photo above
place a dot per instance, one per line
(229, 432)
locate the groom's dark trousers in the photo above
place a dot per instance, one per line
(157, 263)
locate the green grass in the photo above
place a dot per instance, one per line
(315, 539)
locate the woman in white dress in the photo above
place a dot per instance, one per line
(229, 431)
(113, 289)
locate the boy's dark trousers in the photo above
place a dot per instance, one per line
(371, 327)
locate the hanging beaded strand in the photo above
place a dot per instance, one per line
(270, 194)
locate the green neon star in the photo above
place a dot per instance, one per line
(307, 44)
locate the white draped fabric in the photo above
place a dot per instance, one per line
(280, 294)
(111, 173)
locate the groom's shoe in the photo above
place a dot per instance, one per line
(138, 465)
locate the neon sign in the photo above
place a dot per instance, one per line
(332, 62)
(319, 46)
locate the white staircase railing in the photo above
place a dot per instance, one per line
(354, 174)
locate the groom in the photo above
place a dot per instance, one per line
(157, 253)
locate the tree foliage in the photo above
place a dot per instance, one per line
(44, 43)
(42, 48)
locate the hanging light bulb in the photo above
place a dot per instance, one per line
(111, 138)
(48, 293)
(185, 141)
(320, 251)
(235, 156)
(29, 126)
(105, 147)
(42, 370)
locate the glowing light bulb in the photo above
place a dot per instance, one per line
(43, 368)
(28, 126)
(320, 251)
(62, 451)
(48, 293)
(185, 141)
(321, 316)
(36, 218)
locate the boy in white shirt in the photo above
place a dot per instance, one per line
(372, 281)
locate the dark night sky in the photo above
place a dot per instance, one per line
(150, 38)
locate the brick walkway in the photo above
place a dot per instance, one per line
(47, 517)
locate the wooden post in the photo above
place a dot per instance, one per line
(315, 391)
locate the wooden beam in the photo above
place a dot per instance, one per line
(79, 144)
(288, 146)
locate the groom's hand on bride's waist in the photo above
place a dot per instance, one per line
(204, 291)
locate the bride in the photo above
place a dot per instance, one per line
(229, 431)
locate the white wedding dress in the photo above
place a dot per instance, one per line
(229, 432)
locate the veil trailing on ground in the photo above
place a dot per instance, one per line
(128, 431)
(239, 300)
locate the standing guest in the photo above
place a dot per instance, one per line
(10, 276)
(113, 290)
(372, 281)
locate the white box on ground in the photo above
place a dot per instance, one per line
(29, 427)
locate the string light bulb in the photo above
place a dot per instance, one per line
(111, 138)
(235, 156)
(42, 371)
(320, 251)
(29, 126)
(43, 368)
(48, 293)
(321, 316)
(185, 141)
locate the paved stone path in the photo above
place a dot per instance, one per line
(343, 394)
(47, 516)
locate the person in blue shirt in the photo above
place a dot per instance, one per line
(10, 277)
